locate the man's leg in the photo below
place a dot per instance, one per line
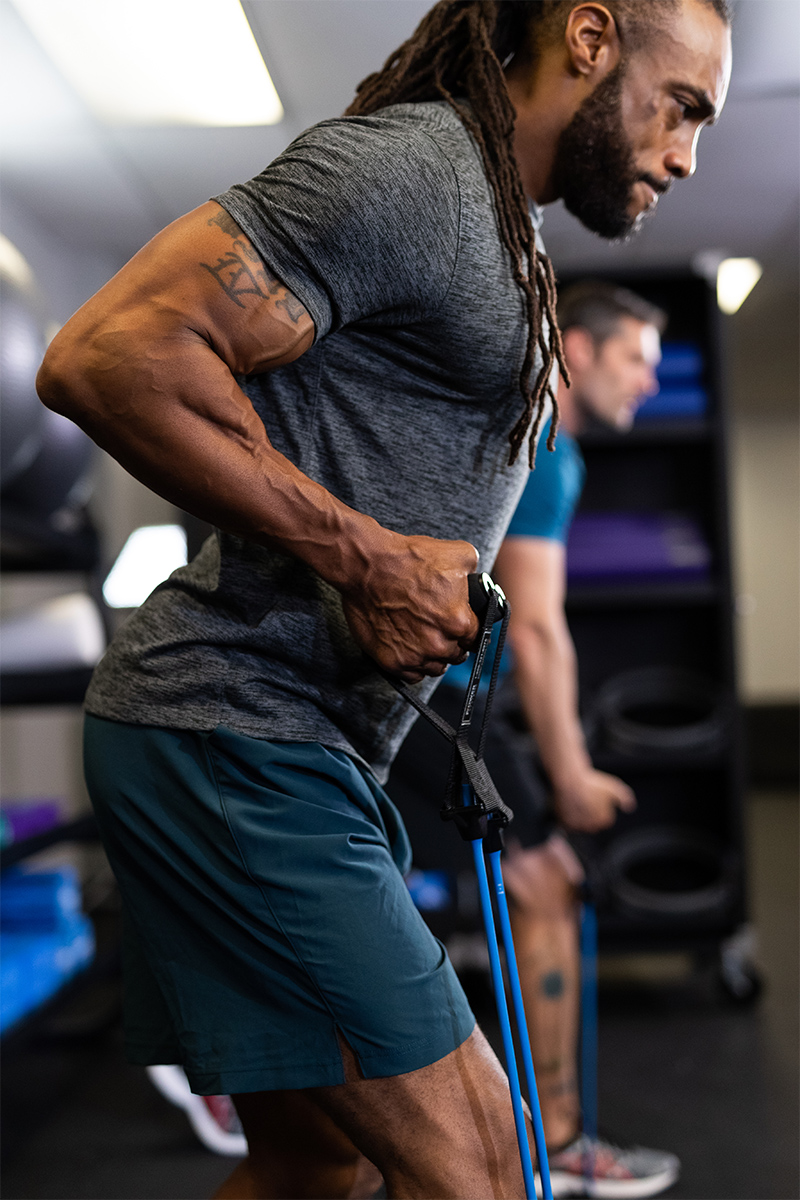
(445, 1130)
(541, 883)
(296, 1150)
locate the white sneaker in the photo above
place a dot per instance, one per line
(213, 1118)
(595, 1167)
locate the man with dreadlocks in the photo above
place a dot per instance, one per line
(343, 365)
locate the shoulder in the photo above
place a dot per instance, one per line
(357, 216)
(554, 468)
(552, 492)
(384, 141)
(357, 167)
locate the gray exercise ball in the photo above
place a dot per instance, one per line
(58, 477)
(22, 346)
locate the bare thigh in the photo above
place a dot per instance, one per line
(296, 1151)
(446, 1130)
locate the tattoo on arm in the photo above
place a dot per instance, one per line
(240, 272)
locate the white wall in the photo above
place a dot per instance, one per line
(765, 501)
(765, 485)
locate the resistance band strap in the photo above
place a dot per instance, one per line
(466, 762)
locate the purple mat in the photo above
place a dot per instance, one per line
(24, 820)
(619, 547)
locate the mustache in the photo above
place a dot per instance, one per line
(659, 186)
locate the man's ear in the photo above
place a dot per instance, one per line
(592, 40)
(579, 349)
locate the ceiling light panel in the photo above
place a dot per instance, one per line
(736, 279)
(158, 62)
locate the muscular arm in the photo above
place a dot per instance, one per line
(532, 572)
(147, 369)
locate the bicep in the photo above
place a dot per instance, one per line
(248, 316)
(201, 281)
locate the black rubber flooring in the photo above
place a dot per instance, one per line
(716, 1083)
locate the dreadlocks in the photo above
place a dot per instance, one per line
(457, 54)
(454, 53)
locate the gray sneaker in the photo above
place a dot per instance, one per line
(595, 1167)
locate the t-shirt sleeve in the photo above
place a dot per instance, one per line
(548, 502)
(358, 218)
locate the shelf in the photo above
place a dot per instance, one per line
(649, 433)
(647, 595)
(32, 544)
(82, 829)
(44, 687)
(626, 764)
(619, 934)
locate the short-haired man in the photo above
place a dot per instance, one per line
(612, 347)
(338, 364)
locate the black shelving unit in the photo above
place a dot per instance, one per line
(669, 466)
(31, 547)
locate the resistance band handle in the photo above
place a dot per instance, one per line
(480, 588)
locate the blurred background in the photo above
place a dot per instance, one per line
(699, 940)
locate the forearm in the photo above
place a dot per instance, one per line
(546, 678)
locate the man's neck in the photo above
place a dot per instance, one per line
(537, 128)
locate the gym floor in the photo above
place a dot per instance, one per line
(716, 1083)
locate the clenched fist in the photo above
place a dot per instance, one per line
(409, 609)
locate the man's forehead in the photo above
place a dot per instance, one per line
(693, 53)
(650, 341)
(640, 336)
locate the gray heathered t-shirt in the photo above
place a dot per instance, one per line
(384, 228)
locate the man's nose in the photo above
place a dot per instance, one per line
(681, 158)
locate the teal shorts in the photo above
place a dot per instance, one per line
(266, 916)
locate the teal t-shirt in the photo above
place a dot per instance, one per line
(545, 510)
(551, 495)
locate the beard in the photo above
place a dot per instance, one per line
(595, 170)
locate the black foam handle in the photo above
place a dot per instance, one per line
(479, 596)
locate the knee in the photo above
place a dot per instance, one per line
(538, 884)
(296, 1150)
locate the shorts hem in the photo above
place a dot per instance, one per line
(231, 1081)
(413, 1057)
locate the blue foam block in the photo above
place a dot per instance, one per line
(680, 361)
(34, 966)
(430, 890)
(674, 402)
(38, 901)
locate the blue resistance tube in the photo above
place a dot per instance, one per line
(589, 1030)
(521, 1021)
(505, 1022)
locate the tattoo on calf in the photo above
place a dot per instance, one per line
(240, 272)
(564, 1087)
(553, 985)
